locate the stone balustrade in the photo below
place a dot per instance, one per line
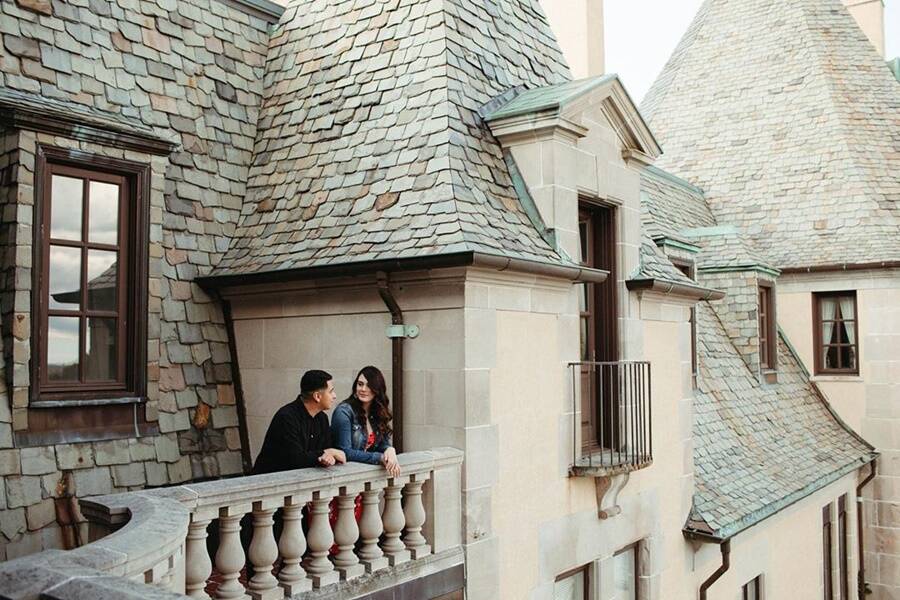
(159, 537)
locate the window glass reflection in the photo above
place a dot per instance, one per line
(65, 277)
(101, 280)
(100, 350)
(65, 207)
(103, 213)
(62, 349)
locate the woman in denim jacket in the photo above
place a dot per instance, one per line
(361, 424)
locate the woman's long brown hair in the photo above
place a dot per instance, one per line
(380, 410)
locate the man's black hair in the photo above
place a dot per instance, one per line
(313, 381)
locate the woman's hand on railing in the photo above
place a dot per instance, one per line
(389, 460)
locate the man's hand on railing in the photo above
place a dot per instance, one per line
(389, 460)
(331, 457)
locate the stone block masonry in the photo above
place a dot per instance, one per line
(192, 72)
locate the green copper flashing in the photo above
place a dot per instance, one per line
(551, 97)
(675, 243)
(717, 230)
(894, 66)
(528, 205)
(736, 268)
(656, 171)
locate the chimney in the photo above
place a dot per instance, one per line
(870, 16)
(578, 27)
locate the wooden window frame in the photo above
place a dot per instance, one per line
(842, 549)
(603, 313)
(133, 243)
(819, 346)
(756, 582)
(827, 541)
(689, 270)
(586, 569)
(768, 334)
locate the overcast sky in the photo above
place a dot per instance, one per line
(641, 34)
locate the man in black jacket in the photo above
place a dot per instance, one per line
(299, 435)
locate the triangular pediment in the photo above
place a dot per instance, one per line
(566, 107)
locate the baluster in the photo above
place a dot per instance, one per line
(370, 529)
(263, 554)
(230, 556)
(394, 520)
(414, 511)
(346, 532)
(198, 566)
(320, 539)
(292, 545)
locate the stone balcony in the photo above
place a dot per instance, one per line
(154, 544)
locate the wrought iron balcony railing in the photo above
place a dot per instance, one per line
(611, 417)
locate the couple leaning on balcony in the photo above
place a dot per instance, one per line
(299, 435)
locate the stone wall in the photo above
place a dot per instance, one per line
(192, 71)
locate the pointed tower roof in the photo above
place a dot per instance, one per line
(787, 118)
(369, 144)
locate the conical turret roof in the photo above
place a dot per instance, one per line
(787, 118)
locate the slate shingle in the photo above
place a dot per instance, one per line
(369, 141)
(789, 120)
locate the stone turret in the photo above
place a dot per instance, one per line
(578, 25)
(870, 16)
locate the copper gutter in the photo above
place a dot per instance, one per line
(861, 576)
(384, 290)
(678, 289)
(885, 264)
(415, 263)
(725, 549)
(237, 386)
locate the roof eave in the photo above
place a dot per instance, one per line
(573, 273)
(82, 127)
(674, 288)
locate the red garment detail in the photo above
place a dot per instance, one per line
(357, 509)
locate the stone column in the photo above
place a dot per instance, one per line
(394, 520)
(346, 532)
(320, 539)
(292, 546)
(370, 529)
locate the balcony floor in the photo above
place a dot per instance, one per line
(606, 463)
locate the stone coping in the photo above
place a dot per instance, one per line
(153, 526)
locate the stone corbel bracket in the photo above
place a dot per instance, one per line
(608, 488)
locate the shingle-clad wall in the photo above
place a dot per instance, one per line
(192, 71)
(738, 311)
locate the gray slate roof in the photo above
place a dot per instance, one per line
(551, 97)
(758, 449)
(670, 204)
(369, 143)
(725, 248)
(790, 122)
(655, 265)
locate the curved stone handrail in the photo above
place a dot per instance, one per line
(146, 530)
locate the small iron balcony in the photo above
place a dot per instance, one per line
(611, 417)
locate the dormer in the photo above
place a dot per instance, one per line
(747, 312)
